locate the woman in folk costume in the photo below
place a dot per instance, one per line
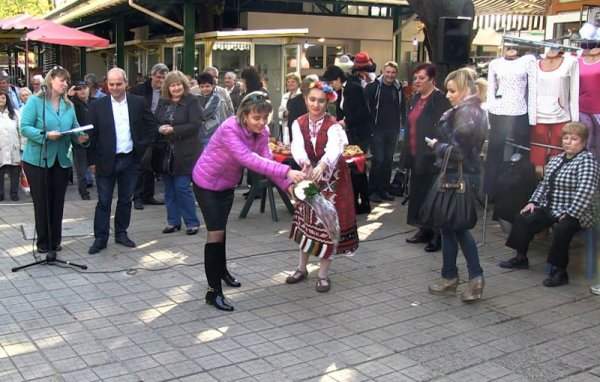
(317, 146)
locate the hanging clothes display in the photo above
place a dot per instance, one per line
(511, 100)
(557, 102)
(589, 97)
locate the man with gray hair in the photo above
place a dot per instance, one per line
(35, 85)
(233, 89)
(151, 91)
(92, 82)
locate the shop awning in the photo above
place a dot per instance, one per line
(52, 33)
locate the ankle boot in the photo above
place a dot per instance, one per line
(421, 236)
(435, 244)
(474, 290)
(214, 256)
(444, 287)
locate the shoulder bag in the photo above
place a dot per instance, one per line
(159, 156)
(449, 205)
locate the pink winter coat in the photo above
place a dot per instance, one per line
(231, 148)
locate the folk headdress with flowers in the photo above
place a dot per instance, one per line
(328, 89)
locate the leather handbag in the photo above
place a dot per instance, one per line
(449, 205)
(159, 157)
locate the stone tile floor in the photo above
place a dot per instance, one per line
(139, 314)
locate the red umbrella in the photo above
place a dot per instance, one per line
(51, 32)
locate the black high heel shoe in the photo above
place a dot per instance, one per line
(218, 301)
(171, 228)
(230, 280)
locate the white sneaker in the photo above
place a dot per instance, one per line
(595, 289)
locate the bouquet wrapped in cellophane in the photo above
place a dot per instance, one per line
(308, 192)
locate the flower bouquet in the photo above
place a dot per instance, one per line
(308, 192)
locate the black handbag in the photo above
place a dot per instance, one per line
(159, 157)
(449, 205)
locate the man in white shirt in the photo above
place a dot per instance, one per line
(124, 126)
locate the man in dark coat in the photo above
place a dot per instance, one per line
(150, 90)
(353, 114)
(124, 126)
(81, 101)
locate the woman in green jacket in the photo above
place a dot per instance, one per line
(46, 117)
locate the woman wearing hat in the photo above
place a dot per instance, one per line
(364, 68)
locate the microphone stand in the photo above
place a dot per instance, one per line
(51, 258)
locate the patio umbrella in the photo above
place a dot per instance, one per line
(52, 33)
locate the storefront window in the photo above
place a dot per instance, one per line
(314, 54)
(230, 57)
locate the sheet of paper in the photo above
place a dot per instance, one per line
(77, 129)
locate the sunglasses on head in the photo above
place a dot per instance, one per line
(590, 45)
(256, 96)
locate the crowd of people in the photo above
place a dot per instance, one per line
(205, 136)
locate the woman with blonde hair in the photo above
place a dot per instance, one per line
(462, 128)
(179, 113)
(292, 82)
(44, 120)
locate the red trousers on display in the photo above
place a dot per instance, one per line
(546, 134)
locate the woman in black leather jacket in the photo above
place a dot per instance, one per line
(463, 127)
(427, 106)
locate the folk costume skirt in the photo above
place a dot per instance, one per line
(310, 234)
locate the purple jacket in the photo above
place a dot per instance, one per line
(231, 148)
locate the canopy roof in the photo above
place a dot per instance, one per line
(50, 32)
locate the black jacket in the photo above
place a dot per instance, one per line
(145, 90)
(424, 161)
(235, 96)
(355, 112)
(186, 132)
(143, 127)
(372, 92)
(464, 128)
(296, 108)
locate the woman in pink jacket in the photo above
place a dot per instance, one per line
(242, 141)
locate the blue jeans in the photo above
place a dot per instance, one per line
(179, 200)
(383, 146)
(452, 239)
(124, 175)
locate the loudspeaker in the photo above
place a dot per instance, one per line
(454, 40)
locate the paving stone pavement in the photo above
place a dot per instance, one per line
(139, 314)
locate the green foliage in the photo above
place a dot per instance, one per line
(9, 8)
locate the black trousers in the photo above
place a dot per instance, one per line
(360, 182)
(526, 226)
(420, 184)
(58, 177)
(144, 188)
(80, 165)
(13, 174)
